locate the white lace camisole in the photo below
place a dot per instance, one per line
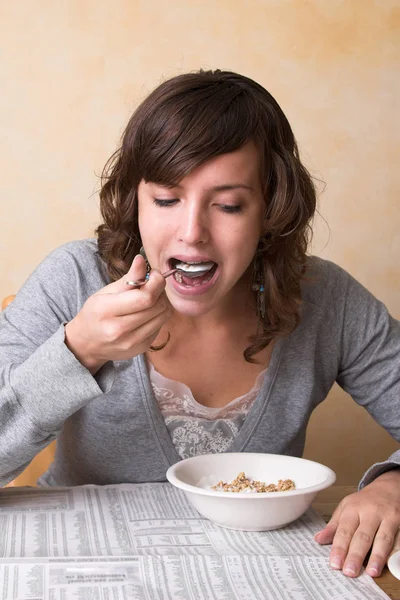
(194, 428)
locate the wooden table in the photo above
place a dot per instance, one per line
(325, 503)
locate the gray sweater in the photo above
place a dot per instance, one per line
(109, 428)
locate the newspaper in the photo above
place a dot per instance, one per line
(145, 541)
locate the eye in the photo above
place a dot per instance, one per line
(231, 208)
(165, 201)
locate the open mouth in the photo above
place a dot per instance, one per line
(193, 274)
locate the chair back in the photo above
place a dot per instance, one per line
(7, 300)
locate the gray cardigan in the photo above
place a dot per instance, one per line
(109, 428)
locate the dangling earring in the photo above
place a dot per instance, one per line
(261, 302)
(258, 285)
(148, 267)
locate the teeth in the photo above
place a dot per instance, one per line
(195, 267)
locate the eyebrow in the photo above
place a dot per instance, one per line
(232, 186)
(225, 188)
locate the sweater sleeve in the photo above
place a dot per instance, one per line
(369, 368)
(41, 381)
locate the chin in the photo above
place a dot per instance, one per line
(190, 308)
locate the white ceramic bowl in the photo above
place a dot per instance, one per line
(251, 511)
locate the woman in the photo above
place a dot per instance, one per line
(231, 352)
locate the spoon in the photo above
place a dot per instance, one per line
(140, 282)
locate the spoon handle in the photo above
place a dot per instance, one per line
(140, 282)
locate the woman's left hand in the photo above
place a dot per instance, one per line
(366, 520)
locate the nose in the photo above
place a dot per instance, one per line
(193, 226)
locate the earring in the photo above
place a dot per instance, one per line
(258, 285)
(148, 267)
(260, 300)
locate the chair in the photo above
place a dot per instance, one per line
(7, 300)
(42, 460)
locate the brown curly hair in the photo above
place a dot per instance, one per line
(185, 122)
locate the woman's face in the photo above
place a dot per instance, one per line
(210, 224)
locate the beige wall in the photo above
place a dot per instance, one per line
(73, 70)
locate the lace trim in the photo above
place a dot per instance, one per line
(196, 429)
(174, 398)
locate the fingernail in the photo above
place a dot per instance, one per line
(350, 569)
(373, 569)
(335, 562)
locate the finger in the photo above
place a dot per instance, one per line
(132, 301)
(326, 535)
(360, 545)
(155, 282)
(137, 300)
(140, 340)
(119, 328)
(346, 528)
(385, 542)
(137, 270)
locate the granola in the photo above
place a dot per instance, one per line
(243, 484)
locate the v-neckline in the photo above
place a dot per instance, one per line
(160, 429)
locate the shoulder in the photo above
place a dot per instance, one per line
(81, 251)
(65, 278)
(79, 259)
(336, 299)
(324, 281)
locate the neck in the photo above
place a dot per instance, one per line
(236, 312)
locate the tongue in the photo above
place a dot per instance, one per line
(194, 281)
